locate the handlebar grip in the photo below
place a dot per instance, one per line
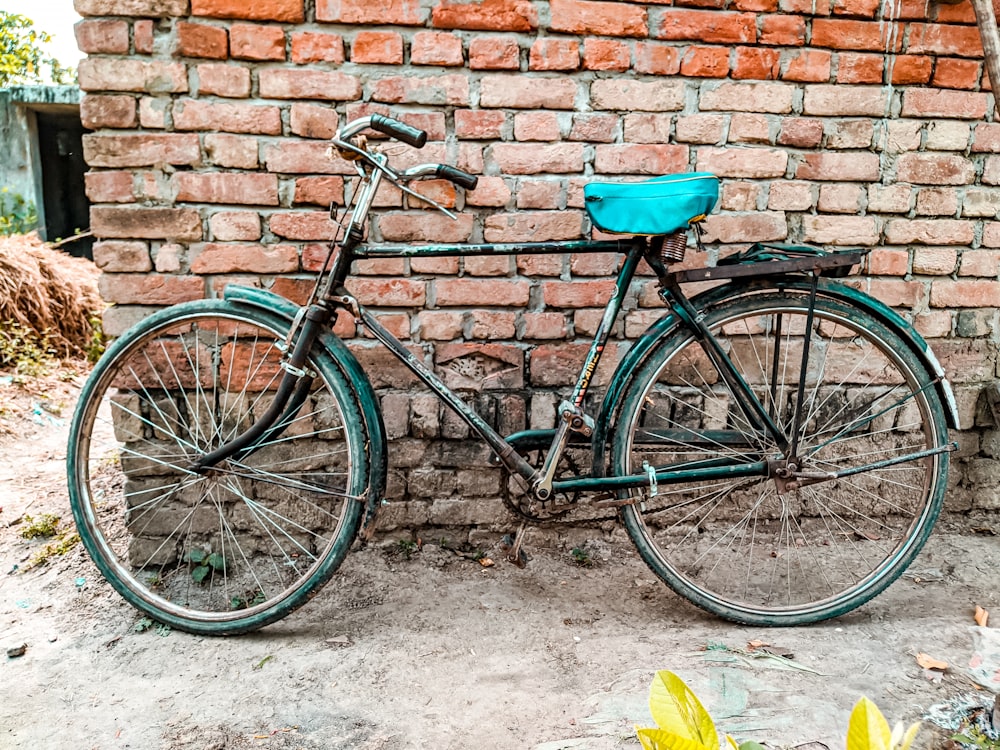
(400, 131)
(457, 176)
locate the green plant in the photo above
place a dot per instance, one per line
(407, 547)
(249, 599)
(24, 349)
(581, 557)
(56, 548)
(868, 730)
(205, 563)
(17, 215)
(976, 738)
(22, 59)
(98, 341)
(45, 525)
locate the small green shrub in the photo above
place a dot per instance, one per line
(25, 350)
(44, 526)
(17, 216)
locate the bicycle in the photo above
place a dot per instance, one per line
(776, 445)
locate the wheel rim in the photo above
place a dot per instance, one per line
(740, 545)
(250, 536)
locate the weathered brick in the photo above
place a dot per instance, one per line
(929, 231)
(964, 293)
(117, 74)
(935, 261)
(944, 39)
(142, 37)
(232, 151)
(145, 223)
(545, 325)
(888, 262)
(279, 83)
(479, 124)
(537, 126)
(758, 226)
(288, 11)
(234, 225)
(705, 62)
(153, 112)
(533, 226)
(224, 80)
(452, 90)
(840, 230)
(523, 158)
(315, 46)
(838, 33)
(758, 63)
(554, 54)
(474, 292)
(597, 18)
(571, 294)
(746, 127)
(657, 59)
(606, 54)
(424, 227)
(486, 15)
(743, 162)
(109, 187)
(910, 69)
(947, 135)
(388, 292)
(213, 257)
(919, 102)
(740, 196)
(436, 48)
(859, 167)
(783, 30)
(710, 26)
(491, 191)
(631, 95)
(102, 37)
(251, 41)
(439, 325)
(377, 47)
(599, 128)
(118, 256)
(934, 169)
(801, 132)
(319, 191)
(807, 65)
(149, 289)
(303, 157)
(521, 92)
(540, 194)
(839, 199)
(957, 74)
(774, 98)
(133, 150)
(108, 111)
(313, 121)
(303, 225)
(653, 159)
(789, 195)
(193, 114)
(986, 137)
(202, 40)
(492, 325)
(648, 128)
(391, 12)
(980, 263)
(832, 100)
(494, 53)
(136, 8)
(981, 202)
(226, 187)
(890, 199)
(698, 128)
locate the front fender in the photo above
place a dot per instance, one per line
(735, 289)
(356, 376)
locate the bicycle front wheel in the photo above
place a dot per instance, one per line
(243, 544)
(866, 482)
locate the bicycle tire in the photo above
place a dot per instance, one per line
(739, 548)
(244, 544)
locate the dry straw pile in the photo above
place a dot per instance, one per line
(47, 291)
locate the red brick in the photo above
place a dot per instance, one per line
(943, 103)
(697, 128)
(145, 223)
(142, 35)
(956, 74)
(708, 26)
(303, 157)
(606, 54)
(783, 31)
(303, 225)
(935, 169)
(109, 187)
(232, 151)
(859, 68)
(451, 90)
(202, 40)
(224, 80)
(226, 187)
(315, 46)
(536, 126)
(424, 227)
(754, 163)
(910, 69)
(388, 292)
(980, 263)
(801, 132)
(133, 150)
(860, 167)
(941, 40)
(102, 37)
(313, 121)
(523, 158)
(476, 292)
(521, 92)
(597, 18)
(840, 230)
(108, 111)
(856, 36)
(150, 289)
(596, 128)
(887, 262)
(962, 293)
(559, 364)
(116, 74)
(774, 98)
(215, 257)
(491, 191)
(746, 127)
(808, 65)
(122, 257)
(845, 101)
(533, 226)
(319, 191)
(494, 53)
(479, 124)
(554, 54)
(282, 83)
(192, 114)
(389, 12)
(929, 232)
(789, 195)
(934, 261)
(657, 59)
(153, 111)
(986, 137)
(571, 294)
(863, 8)
(540, 194)
(652, 159)
(758, 63)
(438, 325)
(806, 7)
(235, 225)
(377, 47)
(768, 6)
(485, 15)
(545, 325)
(498, 265)
(705, 62)
(436, 48)
(256, 42)
(643, 127)
(288, 11)
(630, 95)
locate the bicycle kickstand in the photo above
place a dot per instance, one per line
(512, 546)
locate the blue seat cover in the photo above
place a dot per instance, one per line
(662, 205)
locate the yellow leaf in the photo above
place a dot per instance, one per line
(868, 729)
(661, 739)
(929, 662)
(908, 738)
(677, 709)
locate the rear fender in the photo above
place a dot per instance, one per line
(356, 376)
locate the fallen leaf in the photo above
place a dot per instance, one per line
(486, 562)
(929, 662)
(982, 616)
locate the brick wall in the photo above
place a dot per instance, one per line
(834, 122)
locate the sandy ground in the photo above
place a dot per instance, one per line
(435, 651)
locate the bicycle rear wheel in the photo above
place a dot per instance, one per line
(752, 549)
(245, 543)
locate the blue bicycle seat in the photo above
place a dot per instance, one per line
(662, 205)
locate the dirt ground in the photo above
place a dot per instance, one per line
(435, 651)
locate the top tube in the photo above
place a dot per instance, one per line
(503, 248)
